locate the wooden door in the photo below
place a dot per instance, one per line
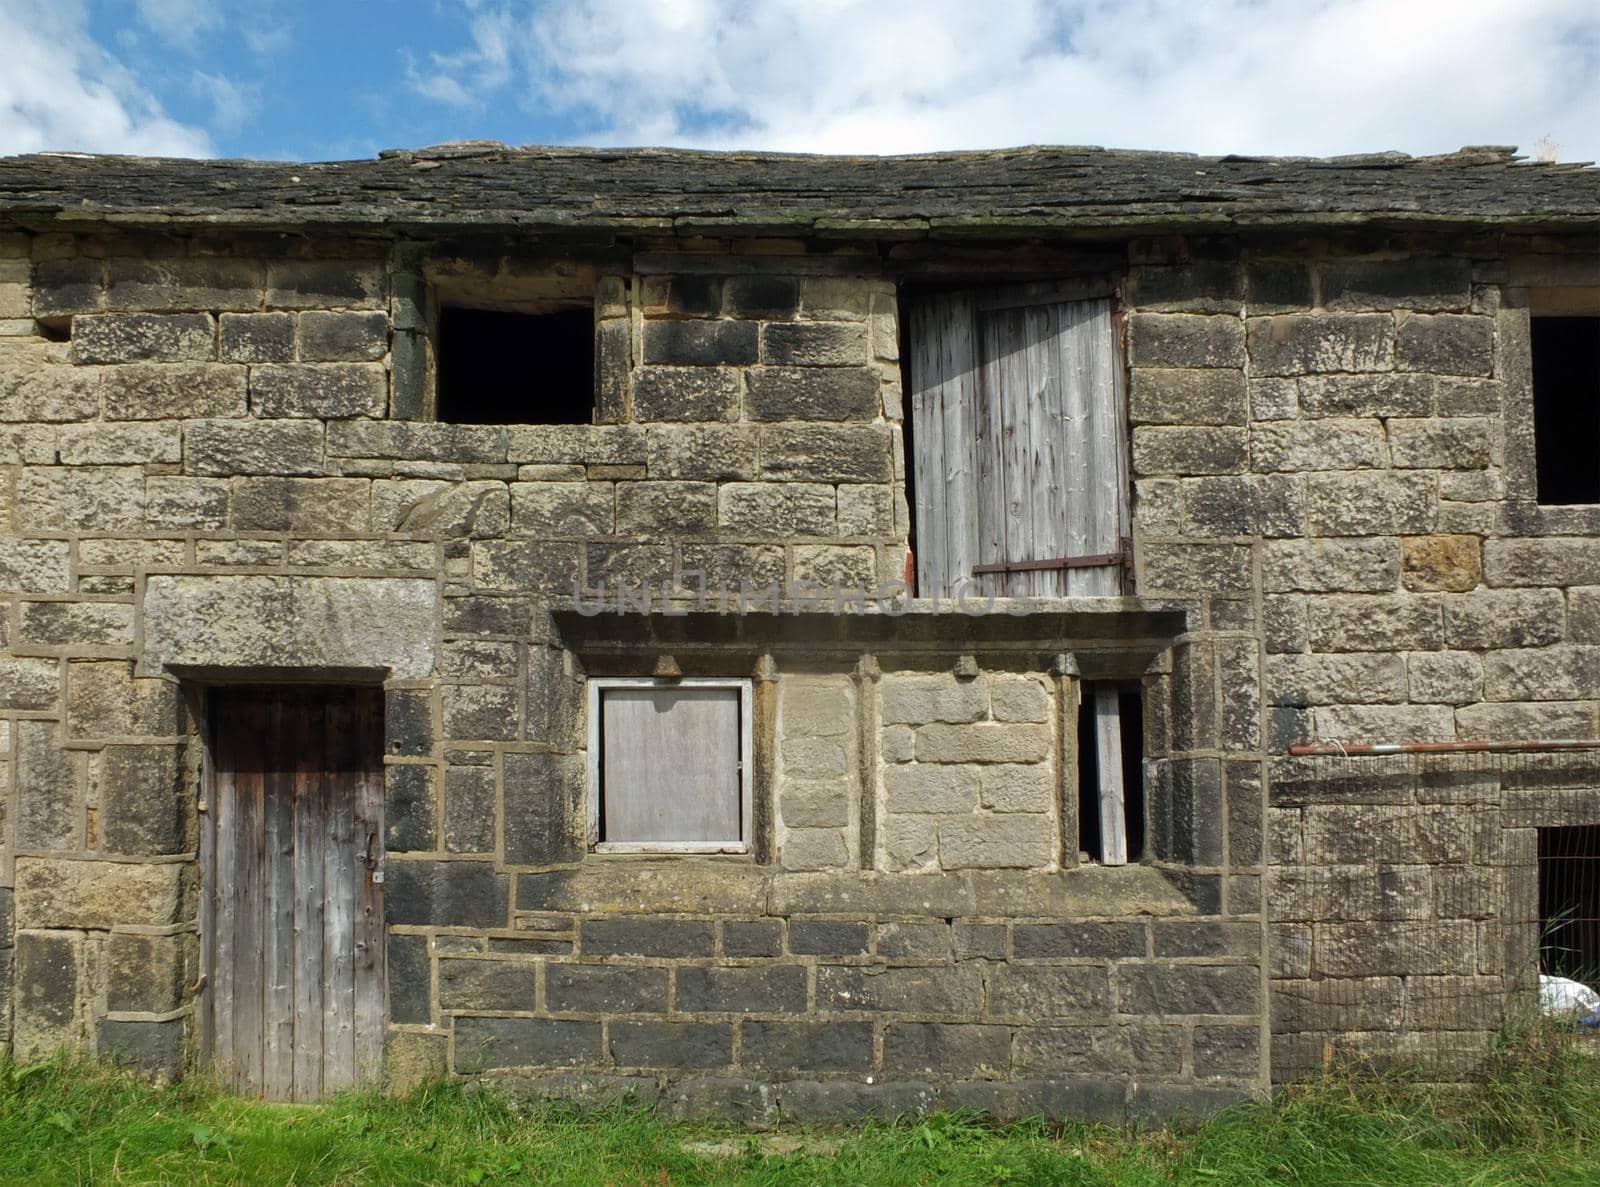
(1020, 444)
(292, 917)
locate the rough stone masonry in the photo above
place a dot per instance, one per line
(221, 465)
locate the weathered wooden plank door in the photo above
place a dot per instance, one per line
(1019, 425)
(293, 913)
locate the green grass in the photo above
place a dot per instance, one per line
(1535, 1120)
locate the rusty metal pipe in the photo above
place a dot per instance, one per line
(1311, 749)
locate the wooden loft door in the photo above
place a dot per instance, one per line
(1020, 441)
(292, 919)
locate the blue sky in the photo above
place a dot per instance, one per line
(325, 79)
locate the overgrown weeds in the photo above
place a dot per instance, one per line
(1534, 1118)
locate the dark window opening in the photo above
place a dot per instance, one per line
(1569, 903)
(54, 329)
(1092, 841)
(1566, 408)
(499, 368)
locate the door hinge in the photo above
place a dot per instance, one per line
(1094, 560)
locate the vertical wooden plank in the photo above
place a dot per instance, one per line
(366, 761)
(1091, 340)
(926, 377)
(310, 750)
(338, 951)
(959, 351)
(1045, 426)
(225, 881)
(1108, 750)
(1076, 466)
(989, 496)
(1005, 341)
(277, 941)
(248, 899)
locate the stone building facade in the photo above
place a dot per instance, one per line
(225, 465)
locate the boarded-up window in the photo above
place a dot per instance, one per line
(1020, 443)
(670, 765)
(1019, 448)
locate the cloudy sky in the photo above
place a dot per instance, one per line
(326, 79)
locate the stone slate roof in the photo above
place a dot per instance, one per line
(1012, 192)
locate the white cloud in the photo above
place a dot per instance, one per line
(1254, 76)
(181, 22)
(61, 91)
(233, 105)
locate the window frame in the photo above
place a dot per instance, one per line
(595, 696)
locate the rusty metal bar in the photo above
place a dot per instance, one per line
(1096, 560)
(1311, 749)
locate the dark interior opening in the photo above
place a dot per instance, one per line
(1130, 705)
(499, 368)
(54, 329)
(1569, 902)
(1566, 408)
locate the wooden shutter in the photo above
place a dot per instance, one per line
(671, 768)
(1020, 442)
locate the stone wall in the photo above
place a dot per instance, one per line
(221, 474)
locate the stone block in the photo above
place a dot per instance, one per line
(484, 1044)
(1329, 444)
(1392, 723)
(414, 1061)
(761, 296)
(811, 393)
(48, 801)
(480, 712)
(757, 989)
(1185, 396)
(588, 445)
(945, 1049)
(162, 391)
(256, 337)
(469, 810)
(1306, 680)
(544, 805)
(410, 978)
(342, 623)
(702, 452)
(28, 683)
(827, 937)
(1274, 399)
(1185, 568)
(1016, 787)
(833, 453)
(749, 937)
(151, 1048)
(1309, 344)
(620, 568)
(50, 394)
(1446, 344)
(145, 799)
(702, 393)
(1565, 672)
(1185, 340)
(1511, 722)
(1445, 677)
(423, 441)
(120, 444)
(905, 990)
(307, 506)
(63, 892)
(343, 337)
(1366, 950)
(105, 701)
(1139, 1049)
(657, 509)
(816, 344)
(1457, 443)
(1375, 622)
(562, 509)
(916, 699)
(671, 1044)
(143, 337)
(1201, 938)
(1185, 1104)
(644, 936)
(1244, 505)
(811, 1102)
(908, 940)
(1429, 283)
(775, 510)
(911, 842)
(979, 941)
(84, 498)
(144, 974)
(1557, 561)
(326, 390)
(1277, 286)
(1185, 450)
(72, 284)
(1044, 992)
(1329, 566)
(700, 343)
(326, 284)
(1105, 941)
(806, 1046)
(603, 989)
(1163, 989)
(252, 447)
(446, 894)
(983, 742)
(814, 849)
(433, 509)
(35, 566)
(867, 511)
(996, 842)
(1370, 504)
(1504, 618)
(1199, 286)
(184, 283)
(410, 808)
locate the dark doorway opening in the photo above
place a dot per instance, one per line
(500, 368)
(1569, 902)
(1566, 408)
(1092, 841)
